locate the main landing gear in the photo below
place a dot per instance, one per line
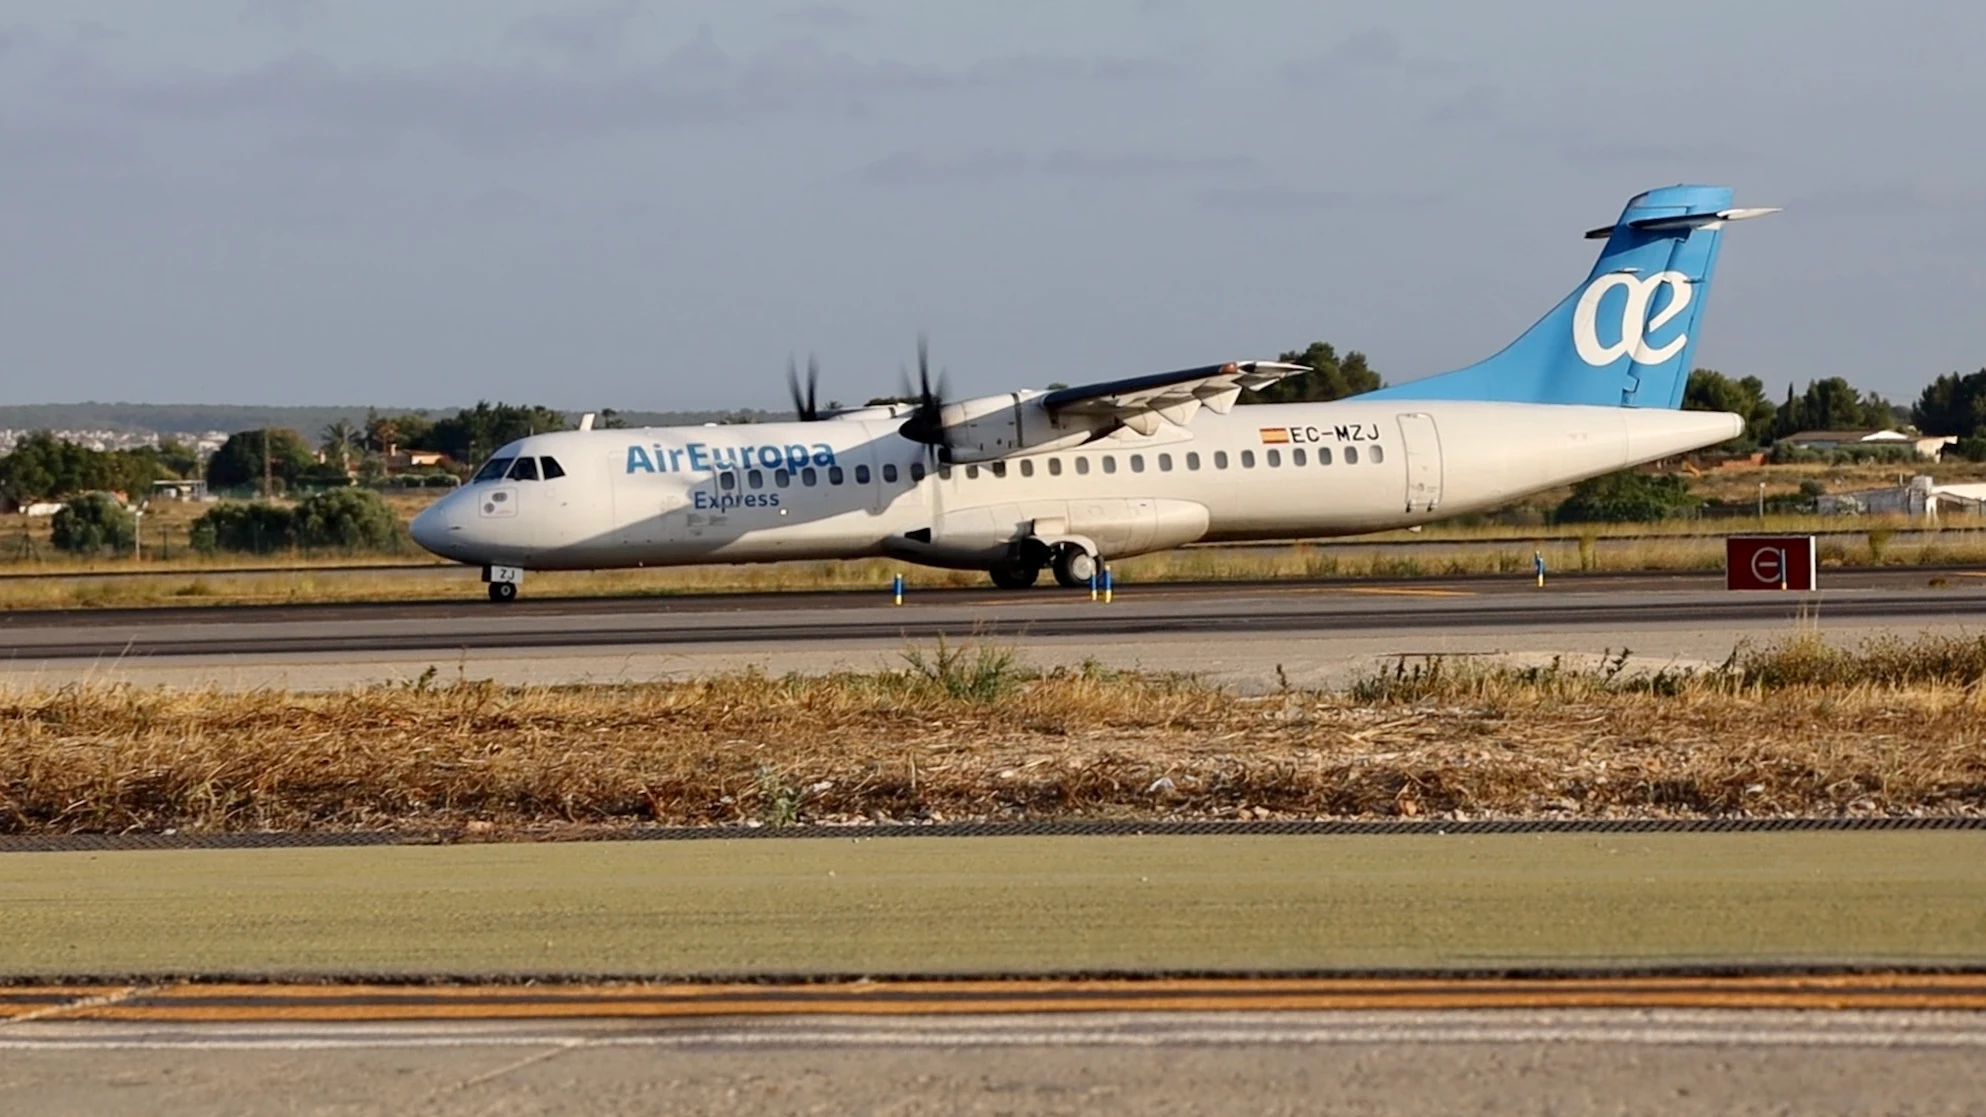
(503, 581)
(1072, 566)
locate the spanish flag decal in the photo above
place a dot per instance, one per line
(1275, 434)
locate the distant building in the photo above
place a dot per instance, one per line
(1922, 498)
(180, 490)
(1928, 446)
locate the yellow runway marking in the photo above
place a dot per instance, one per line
(203, 1003)
(1404, 591)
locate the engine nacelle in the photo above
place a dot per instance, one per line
(993, 427)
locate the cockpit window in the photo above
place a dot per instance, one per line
(526, 469)
(552, 468)
(492, 469)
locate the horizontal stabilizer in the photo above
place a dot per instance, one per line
(1682, 223)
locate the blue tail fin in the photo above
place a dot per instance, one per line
(1625, 337)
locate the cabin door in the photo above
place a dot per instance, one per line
(1420, 444)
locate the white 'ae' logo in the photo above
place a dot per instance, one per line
(1636, 325)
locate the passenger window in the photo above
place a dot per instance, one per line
(809, 478)
(835, 475)
(1082, 465)
(1351, 455)
(492, 469)
(1193, 459)
(1220, 459)
(781, 478)
(972, 473)
(1297, 457)
(916, 472)
(551, 467)
(1323, 455)
(1378, 453)
(1055, 467)
(944, 473)
(861, 474)
(999, 469)
(526, 469)
(1275, 458)
(727, 481)
(1165, 463)
(889, 472)
(1248, 459)
(1110, 463)
(1137, 463)
(755, 479)
(1027, 467)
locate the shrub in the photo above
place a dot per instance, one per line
(352, 519)
(256, 528)
(1626, 497)
(92, 524)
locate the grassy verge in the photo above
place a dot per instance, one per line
(1795, 728)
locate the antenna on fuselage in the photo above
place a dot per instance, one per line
(586, 421)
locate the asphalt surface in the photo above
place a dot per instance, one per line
(819, 620)
(1405, 1062)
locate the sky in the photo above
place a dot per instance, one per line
(646, 205)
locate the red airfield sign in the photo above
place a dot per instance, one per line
(1769, 562)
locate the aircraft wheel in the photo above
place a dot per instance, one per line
(503, 592)
(1015, 577)
(1074, 567)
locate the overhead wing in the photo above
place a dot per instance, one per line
(1144, 402)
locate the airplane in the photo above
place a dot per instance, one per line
(1071, 478)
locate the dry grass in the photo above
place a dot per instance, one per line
(1796, 728)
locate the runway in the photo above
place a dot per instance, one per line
(1410, 1062)
(1239, 633)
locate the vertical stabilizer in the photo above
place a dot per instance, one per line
(1625, 336)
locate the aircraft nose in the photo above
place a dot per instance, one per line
(433, 528)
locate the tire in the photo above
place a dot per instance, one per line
(1074, 567)
(503, 593)
(1015, 577)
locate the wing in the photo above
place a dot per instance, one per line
(1144, 402)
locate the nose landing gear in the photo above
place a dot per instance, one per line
(503, 581)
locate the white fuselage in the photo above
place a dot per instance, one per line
(846, 488)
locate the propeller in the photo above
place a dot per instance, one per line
(926, 423)
(806, 406)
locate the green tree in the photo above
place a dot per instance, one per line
(340, 439)
(1628, 497)
(92, 524)
(1710, 390)
(1952, 404)
(239, 460)
(1830, 405)
(178, 458)
(1330, 377)
(350, 519)
(44, 467)
(474, 433)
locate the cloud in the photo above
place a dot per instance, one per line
(484, 105)
(1373, 50)
(90, 31)
(580, 34)
(824, 18)
(918, 167)
(281, 15)
(1269, 198)
(1475, 107)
